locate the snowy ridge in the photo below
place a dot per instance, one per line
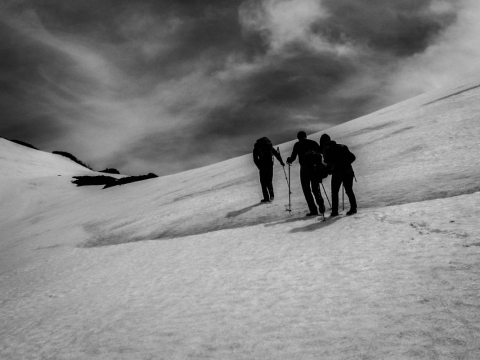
(232, 279)
(19, 161)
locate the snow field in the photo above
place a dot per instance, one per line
(396, 282)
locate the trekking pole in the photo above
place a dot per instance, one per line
(288, 182)
(289, 191)
(326, 195)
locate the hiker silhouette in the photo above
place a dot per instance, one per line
(339, 161)
(263, 153)
(310, 159)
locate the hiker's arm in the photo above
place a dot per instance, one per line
(278, 156)
(256, 160)
(328, 159)
(328, 155)
(292, 157)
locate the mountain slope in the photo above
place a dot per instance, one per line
(23, 162)
(423, 148)
(390, 282)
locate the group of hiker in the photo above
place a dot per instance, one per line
(317, 161)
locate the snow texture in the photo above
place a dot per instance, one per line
(192, 266)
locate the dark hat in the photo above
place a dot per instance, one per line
(301, 135)
(324, 139)
(263, 139)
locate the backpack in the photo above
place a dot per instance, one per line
(339, 153)
(264, 147)
(311, 158)
(314, 159)
(321, 171)
(347, 156)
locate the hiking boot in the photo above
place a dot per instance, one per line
(264, 201)
(321, 209)
(351, 212)
(312, 214)
(333, 214)
(272, 197)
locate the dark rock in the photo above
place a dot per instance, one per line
(130, 179)
(93, 180)
(71, 157)
(110, 171)
(24, 144)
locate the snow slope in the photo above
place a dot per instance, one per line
(84, 275)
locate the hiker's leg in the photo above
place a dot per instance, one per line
(263, 183)
(315, 185)
(336, 183)
(305, 180)
(348, 184)
(269, 179)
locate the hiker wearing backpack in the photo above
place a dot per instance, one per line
(263, 153)
(339, 161)
(310, 159)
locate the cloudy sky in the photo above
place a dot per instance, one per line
(164, 86)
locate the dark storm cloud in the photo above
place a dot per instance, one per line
(402, 28)
(120, 82)
(22, 114)
(268, 100)
(276, 102)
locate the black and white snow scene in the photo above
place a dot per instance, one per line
(190, 264)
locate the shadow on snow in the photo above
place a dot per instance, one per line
(242, 211)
